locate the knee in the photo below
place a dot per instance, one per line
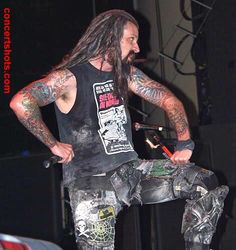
(207, 178)
(194, 182)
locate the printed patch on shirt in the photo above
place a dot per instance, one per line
(111, 117)
(106, 213)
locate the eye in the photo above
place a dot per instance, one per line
(131, 39)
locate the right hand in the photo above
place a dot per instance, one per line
(63, 150)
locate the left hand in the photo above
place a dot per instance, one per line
(181, 157)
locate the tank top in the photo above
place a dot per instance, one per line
(98, 126)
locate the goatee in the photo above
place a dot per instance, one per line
(129, 59)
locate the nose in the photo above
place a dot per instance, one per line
(136, 48)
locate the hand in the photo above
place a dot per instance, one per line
(65, 151)
(181, 157)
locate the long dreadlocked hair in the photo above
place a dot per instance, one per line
(101, 38)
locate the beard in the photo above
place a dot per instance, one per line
(129, 59)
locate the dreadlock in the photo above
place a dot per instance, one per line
(101, 38)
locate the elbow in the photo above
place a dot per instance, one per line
(173, 101)
(15, 103)
(12, 104)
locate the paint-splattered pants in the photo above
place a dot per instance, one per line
(97, 200)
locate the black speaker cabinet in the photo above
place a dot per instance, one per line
(221, 139)
(30, 198)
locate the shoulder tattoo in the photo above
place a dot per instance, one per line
(43, 93)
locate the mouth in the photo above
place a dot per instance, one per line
(130, 57)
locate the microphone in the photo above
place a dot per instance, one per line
(139, 111)
(51, 161)
(142, 126)
(140, 60)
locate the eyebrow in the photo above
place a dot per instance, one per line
(136, 36)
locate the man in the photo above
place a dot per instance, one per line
(100, 167)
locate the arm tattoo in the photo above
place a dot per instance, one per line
(37, 127)
(45, 94)
(148, 89)
(177, 117)
(40, 94)
(159, 95)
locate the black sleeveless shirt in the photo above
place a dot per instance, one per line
(98, 126)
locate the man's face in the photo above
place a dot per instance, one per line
(129, 42)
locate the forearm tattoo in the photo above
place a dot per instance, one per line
(159, 95)
(37, 127)
(40, 94)
(178, 118)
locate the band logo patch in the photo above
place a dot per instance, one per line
(112, 118)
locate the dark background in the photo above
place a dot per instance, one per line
(32, 201)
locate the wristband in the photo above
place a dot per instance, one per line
(188, 144)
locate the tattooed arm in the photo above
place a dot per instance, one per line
(27, 102)
(159, 95)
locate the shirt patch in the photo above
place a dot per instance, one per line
(111, 118)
